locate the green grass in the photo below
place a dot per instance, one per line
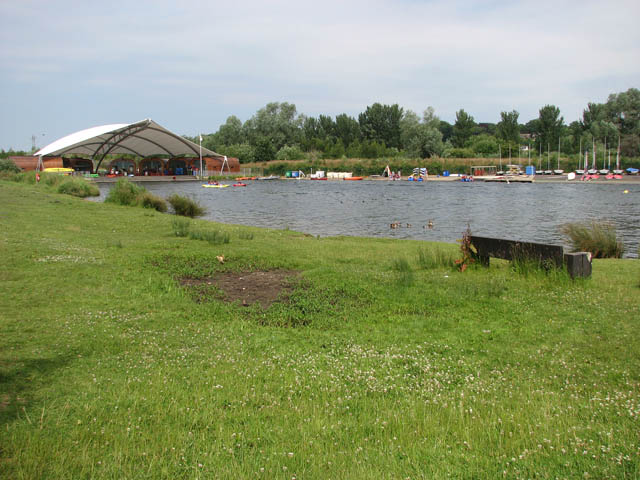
(110, 369)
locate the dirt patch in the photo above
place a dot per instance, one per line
(247, 288)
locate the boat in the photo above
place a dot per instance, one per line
(239, 184)
(353, 178)
(558, 171)
(214, 186)
(632, 171)
(240, 179)
(270, 177)
(60, 170)
(616, 171)
(317, 178)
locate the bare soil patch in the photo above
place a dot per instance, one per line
(247, 288)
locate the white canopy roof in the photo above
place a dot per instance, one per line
(145, 138)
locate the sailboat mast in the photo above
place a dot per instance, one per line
(593, 155)
(618, 155)
(558, 153)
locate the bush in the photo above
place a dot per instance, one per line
(599, 238)
(125, 193)
(181, 226)
(185, 206)
(149, 200)
(7, 165)
(290, 153)
(77, 187)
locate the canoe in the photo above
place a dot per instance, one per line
(353, 178)
(240, 184)
(58, 170)
(215, 186)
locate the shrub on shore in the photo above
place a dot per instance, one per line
(185, 206)
(7, 166)
(77, 187)
(149, 200)
(125, 193)
(599, 238)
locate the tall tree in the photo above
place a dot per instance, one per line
(231, 132)
(381, 123)
(277, 122)
(347, 129)
(463, 128)
(421, 139)
(508, 128)
(623, 109)
(550, 125)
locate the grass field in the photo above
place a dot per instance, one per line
(119, 357)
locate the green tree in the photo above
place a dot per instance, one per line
(421, 139)
(279, 123)
(623, 109)
(462, 129)
(508, 128)
(446, 129)
(381, 124)
(264, 150)
(231, 132)
(347, 129)
(550, 126)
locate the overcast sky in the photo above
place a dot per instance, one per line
(69, 65)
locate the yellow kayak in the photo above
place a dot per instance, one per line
(215, 186)
(58, 170)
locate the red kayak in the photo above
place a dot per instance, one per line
(240, 184)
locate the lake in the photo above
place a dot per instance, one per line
(528, 212)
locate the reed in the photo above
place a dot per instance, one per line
(599, 238)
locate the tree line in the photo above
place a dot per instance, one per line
(278, 132)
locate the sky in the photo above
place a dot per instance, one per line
(67, 65)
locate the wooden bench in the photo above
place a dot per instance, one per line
(578, 264)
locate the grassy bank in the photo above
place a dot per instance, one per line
(119, 357)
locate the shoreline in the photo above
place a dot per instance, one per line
(626, 180)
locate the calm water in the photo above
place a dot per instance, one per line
(528, 212)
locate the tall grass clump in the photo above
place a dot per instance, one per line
(149, 200)
(78, 187)
(403, 270)
(125, 193)
(214, 237)
(431, 258)
(181, 227)
(185, 206)
(599, 238)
